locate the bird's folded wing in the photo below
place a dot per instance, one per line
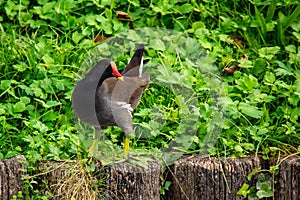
(137, 94)
(115, 100)
(122, 116)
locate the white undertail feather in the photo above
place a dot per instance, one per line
(141, 67)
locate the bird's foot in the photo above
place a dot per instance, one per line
(127, 158)
(94, 148)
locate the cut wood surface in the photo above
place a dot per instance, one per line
(11, 171)
(203, 177)
(288, 180)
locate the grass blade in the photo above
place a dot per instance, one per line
(271, 10)
(290, 19)
(262, 23)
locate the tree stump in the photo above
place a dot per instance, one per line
(118, 181)
(288, 180)
(127, 181)
(11, 171)
(203, 177)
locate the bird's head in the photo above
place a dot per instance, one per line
(115, 71)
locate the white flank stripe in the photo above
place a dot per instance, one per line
(125, 105)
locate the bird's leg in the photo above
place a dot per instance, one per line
(126, 146)
(94, 146)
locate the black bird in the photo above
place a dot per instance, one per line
(107, 97)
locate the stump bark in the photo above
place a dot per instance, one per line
(127, 181)
(288, 180)
(203, 177)
(192, 177)
(11, 171)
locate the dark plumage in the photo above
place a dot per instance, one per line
(83, 97)
(106, 97)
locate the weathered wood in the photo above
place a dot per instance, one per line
(203, 177)
(127, 181)
(119, 181)
(288, 180)
(193, 178)
(11, 171)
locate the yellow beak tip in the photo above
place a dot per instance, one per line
(121, 78)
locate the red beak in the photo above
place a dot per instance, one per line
(115, 71)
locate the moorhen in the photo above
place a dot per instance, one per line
(107, 97)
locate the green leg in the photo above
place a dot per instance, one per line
(94, 146)
(126, 147)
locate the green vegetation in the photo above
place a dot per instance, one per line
(44, 43)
